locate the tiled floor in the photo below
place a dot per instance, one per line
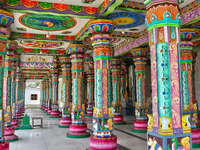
(53, 138)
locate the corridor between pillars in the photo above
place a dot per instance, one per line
(167, 126)
(116, 85)
(65, 121)
(78, 127)
(189, 102)
(141, 108)
(55, 106)
(103, 115)
(89, 72)
(7, 106)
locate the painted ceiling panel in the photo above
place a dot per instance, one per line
(42, 24)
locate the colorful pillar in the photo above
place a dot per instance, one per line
(123, 81)
(47, 93)
(141, 108)
(78, 127)
(15, 63)
(116, 82)
(17, 95)
(167, 127)
(55, 107)
(189, 103)
(6, 20)
(50, 94)
(44, 92)
(89, 72)
(65, 121)
(7, 80)
(42, 106)
(103, 116)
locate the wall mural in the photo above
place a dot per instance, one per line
(41, 44)
(47, 22)
(127, 19)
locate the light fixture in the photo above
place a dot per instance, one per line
(123, 31)
(47, 35)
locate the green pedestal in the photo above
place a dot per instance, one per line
(89, 116)
(54, 117)
(48, 114)
(26, 123)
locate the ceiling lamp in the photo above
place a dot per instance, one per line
(47, 35)
(123, 31)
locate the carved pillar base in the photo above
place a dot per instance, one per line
(140, 126)
(195, 138)
(18, 115)
(118, 120)
(65, 122)
(78, 131)
(89, 112)
(49, 112)
(55, 114)
(14, 123)
(9, 134)
(4, 146)
(103, 144)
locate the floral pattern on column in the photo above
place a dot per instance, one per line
(141, 108)
(167, 125)
(65, 121)
(78, 127)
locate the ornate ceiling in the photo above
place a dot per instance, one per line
(47, 27)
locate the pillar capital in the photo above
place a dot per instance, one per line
(77, 48)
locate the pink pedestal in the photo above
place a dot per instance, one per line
(9, 134)
(119, 120)
(78, 131)
(65, 122)
(14, 123)
(103, 144)
(46, 109)
(89, 112)
(4, 146)
(196, 137)
(140, 127)
(49, 111)
(18, 115)
(55, 113)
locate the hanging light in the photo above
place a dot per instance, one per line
(47, 35)
(123, 31)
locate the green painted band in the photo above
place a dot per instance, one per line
(163, 25)
(131, 9)
(112, 7)
(43, 40)
(101, 58)
(49, 13)
(182, 62)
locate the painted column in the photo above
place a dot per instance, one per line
(141, 108)
(6, 20)
(7, 79)
(103, 117)
(189, 103)
(89, 73)
(44, 92)
(167, 126)
(15, 63)
(116, 102)
(78, 127)
(17, 95)
(50, 94)
(55, 107)
(42, 106)
(47, 93)
(65, 121)
(123, 92)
